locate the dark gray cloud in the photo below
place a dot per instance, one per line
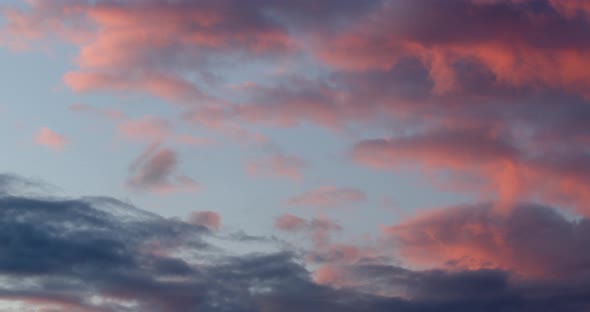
(100, 254)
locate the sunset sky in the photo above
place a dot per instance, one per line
(294, 155)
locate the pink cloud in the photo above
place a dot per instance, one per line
(531, 240)
(484, 163)
(328, 196)
(278, 165)
(49, 138)
(321, 229)
(222, 121)
(123, 50)
(169, 87)
(290, 223)
(503, 44)
(209, 219)
(148, 128)
(155, 171)
(157, 129)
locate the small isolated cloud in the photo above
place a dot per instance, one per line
(328, 196)
(321, 229)
(48, 138)
(208, 219)
(290, 223)
(155, 170)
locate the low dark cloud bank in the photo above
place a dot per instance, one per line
(100, 254)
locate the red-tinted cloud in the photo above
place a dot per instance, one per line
(499, 35)
(51, 139)
(531, 240)
(489, 164)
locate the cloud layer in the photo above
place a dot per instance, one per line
(487, 99)
(99, 254)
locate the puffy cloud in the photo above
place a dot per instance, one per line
(51, 139)
(209, 219)
(515, 57)
(328, 196)
(123, 50)
(155, 170)
(530, 240)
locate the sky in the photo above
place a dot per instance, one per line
(305, 155)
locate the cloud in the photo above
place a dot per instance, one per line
(531, 240)
(378, 42)
(49, 138)
(485, 162)
(148, 128)
(290, 223)
(122, 50)
(321, 229)
(490, 96)
(98, 254)
(328, 196)
(209, 219)
(278, 164)
(112, 114)
(104, 255)
(439, 148)
(154, 129)
(155, 171)
(14, 184)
